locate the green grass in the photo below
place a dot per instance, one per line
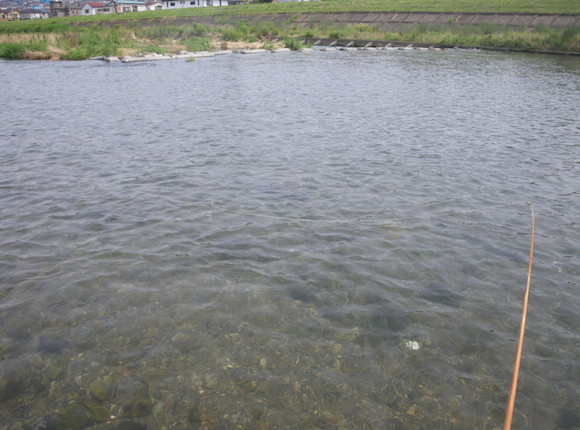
(15, 50)
(197, 44)
(329, 6)
(487, 35)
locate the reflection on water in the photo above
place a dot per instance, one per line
(321, 240)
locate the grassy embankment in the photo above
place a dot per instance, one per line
(74, 38)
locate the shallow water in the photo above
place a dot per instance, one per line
(304, 240)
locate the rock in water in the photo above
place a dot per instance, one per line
(102, 389)
(440, 293)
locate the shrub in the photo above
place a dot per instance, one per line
(76, 54)
(12, 51)
(198, 29)
(542, 28)
(91, 42)
(571, 31)
(230, 34)
(222, 20)
(292, 19)
(241, 30)
(148, 49)
(195, 44)
(338, 33)
(489, 28)
(292, 43)
(37, 45)
(266, 29)
(242, 27)
(171, 31)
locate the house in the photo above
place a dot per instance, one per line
(74, 10)
(92, 8)
(124, 6)
(178, 4)
(13, 15)
(154, 5)
(58, 9)
(4, 14)
(31, 14)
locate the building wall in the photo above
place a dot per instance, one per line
(88, 10)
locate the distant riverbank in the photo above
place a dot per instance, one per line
(61, 39)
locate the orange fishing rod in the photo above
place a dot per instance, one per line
(510, 409)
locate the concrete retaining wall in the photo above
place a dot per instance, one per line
(389, 21)
(394, 20)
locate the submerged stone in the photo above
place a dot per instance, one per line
(71, 417)
(194, 417)
(185, 343)
(303, 294)
(53, 345)
(83, 337)
(122, 358)
(157, 409)
(137, 408)
(102, 389)
(567, 419)
(130, 425)
(440, 293)
(11, 389)
(53, 373)
(389, 318)
(141, 403)
(98, 412)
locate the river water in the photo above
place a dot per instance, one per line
(318, 240)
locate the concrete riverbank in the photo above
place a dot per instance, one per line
(388, 21)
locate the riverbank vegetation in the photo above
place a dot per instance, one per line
(74, 38)
(336, 6)
(69, 42)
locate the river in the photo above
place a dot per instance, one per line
(316, 240)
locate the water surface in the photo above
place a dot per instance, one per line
(305, 240)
